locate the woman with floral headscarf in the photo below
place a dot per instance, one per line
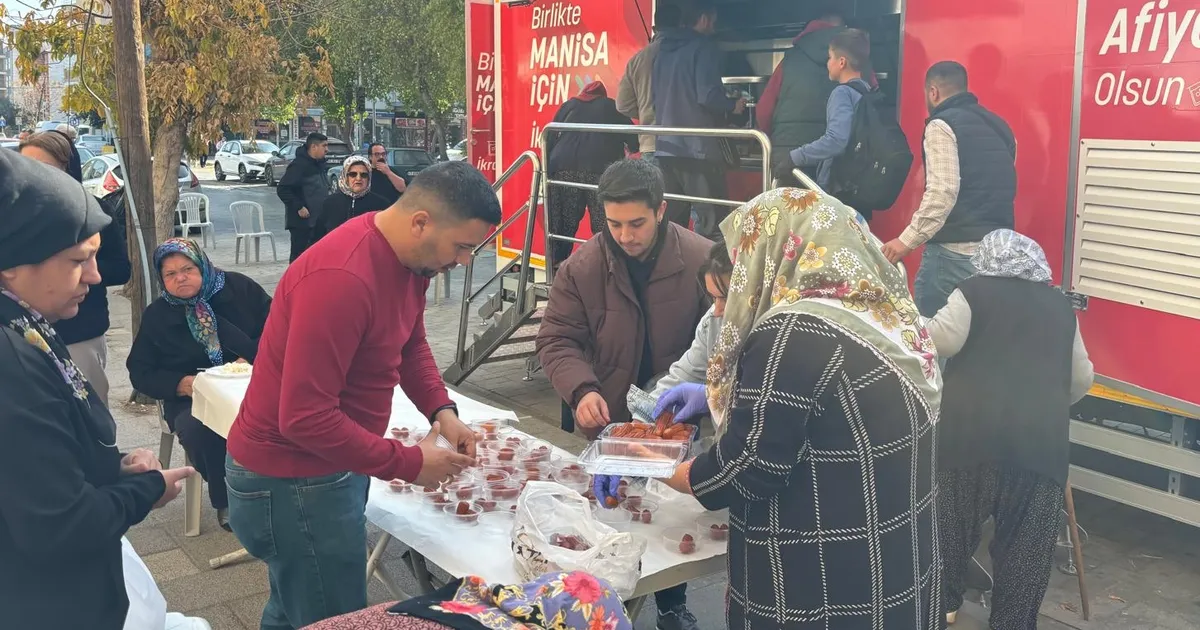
(1018, 365)
(826, 388)
(205, 317)
(354, 197)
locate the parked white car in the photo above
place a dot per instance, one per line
(246, 158)
(458, 152)
(102, 175)
(94, 143)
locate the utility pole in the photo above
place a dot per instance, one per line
(133, 132)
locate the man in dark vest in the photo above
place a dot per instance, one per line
(970, 184)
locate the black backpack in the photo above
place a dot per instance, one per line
(868, 176)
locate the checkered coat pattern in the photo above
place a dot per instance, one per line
(827, 468)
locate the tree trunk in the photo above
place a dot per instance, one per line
(133, 131)
(437, 134)
(168, 148)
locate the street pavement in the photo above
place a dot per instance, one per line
(1141, 569)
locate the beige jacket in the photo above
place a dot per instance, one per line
(633, 94)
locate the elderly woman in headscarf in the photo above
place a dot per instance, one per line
(67, 495)
(353, 197)
(204, 318)
(84, 333)
(825, 388)
(1017, 365)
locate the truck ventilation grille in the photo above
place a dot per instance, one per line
(1137, 224)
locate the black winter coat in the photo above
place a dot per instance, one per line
(303, 185)
(164, 351)
(115, 269)
(588, 152)
(63, 503)
(340, 208)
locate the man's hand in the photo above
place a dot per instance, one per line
(381, 166)
(174, 478)
(458, 433)
(439, 464)
(592, 411)
(303, 213)
(783, 172)
(895, 250)
(140, 460)
(739, 106)
(184, 388)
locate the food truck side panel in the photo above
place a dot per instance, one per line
(481, 117)
(547, 53)
(1141, 88)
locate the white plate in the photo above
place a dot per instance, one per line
(220, 372)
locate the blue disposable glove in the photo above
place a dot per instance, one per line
(604, 486)
(688, 400)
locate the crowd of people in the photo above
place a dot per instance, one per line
(861, 434)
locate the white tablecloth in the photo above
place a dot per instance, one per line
(475, 550)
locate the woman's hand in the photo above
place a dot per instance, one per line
(606, 487)
(689, 400)
(184, 388)
(174, 479)
(681, 480)
(139, 461)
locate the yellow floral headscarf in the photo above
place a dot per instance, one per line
(794, 250)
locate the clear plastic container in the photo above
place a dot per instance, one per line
(634, 457)
(537, 450)
(497, 521)
(487, 475)
(682, 540)
(503, 490)
(713, 528)
(464, 490)
(614, 517)
(400, 433)
(643, 512)
(400, 486)
(536, 472)
(434, 499)
(490, 428)
(487, 505)
(463, 513)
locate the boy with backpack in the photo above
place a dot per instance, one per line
(863, 158)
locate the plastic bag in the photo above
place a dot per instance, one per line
(548, 513)
(147, 608)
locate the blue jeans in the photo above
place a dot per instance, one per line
(940, 273)
(312, 534)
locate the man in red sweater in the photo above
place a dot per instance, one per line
(347, 326)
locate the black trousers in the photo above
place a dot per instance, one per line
(207, 452)
(302, 239)
(567, 206)
(1027, 509)
(695, 178)
(203, 160)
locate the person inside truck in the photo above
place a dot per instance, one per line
(580, 157)
(1003, 443)
(848, 60)
(970, 185)
(633, 94)
(826, 397)
(687, 91)
(622, 309)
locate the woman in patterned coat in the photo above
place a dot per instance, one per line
(828, 387)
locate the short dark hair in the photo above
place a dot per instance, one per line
(667, 15)
(692, 10)
(457, 188)
(947, 74)
(315, 138)
(855, 46)
(831, 11)
(632, 180)
(719, 266)
(371, 147)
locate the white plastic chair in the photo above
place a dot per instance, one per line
(188, 210)
(248, 223)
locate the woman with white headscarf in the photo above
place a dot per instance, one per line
(1017, 365)
(825, 388)
(353, 197)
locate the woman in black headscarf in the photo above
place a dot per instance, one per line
(84, 334)
(67, 495)
(354, 197)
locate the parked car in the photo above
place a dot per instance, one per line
(102, 175)
(94, 143)
(10, 143)
(458, 152)
(247, 158)
(404, 162)
(85, 153)
(279, 162)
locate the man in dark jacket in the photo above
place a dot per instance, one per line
(580, 157)
(384, 181)
(970, 185)
(303, 190)
(622, 310)
(687, 92)
(84, 333)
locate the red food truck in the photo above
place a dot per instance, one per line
(1104, 99)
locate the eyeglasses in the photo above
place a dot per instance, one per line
(357, 175)
(379, 154)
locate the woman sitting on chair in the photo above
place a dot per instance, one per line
(205, 317)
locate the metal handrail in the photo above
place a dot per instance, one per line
(747, 134)
(532, 158)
